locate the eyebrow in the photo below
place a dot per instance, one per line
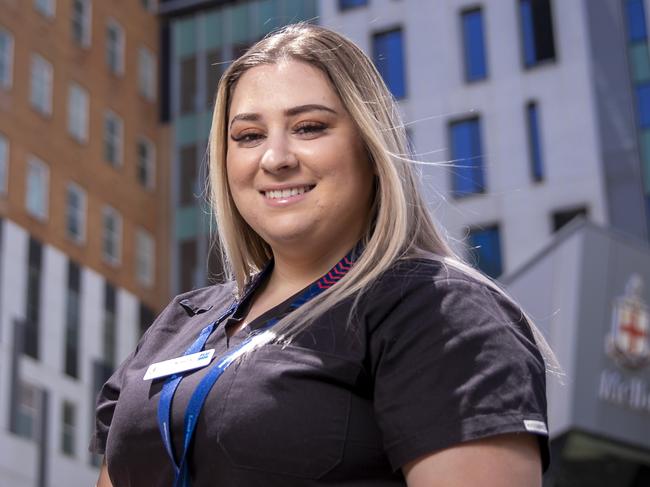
(289, 112)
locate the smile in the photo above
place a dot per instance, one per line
(277, 194)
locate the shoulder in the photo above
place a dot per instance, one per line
(427, 278)
(191, 303)
(206, 298)
(424, 295)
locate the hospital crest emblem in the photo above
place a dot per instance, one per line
(628, 342)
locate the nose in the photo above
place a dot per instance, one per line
(278, 155)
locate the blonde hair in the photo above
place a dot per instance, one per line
(400, 224)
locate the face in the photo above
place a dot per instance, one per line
(297, 168)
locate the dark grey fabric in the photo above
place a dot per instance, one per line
(430, 358)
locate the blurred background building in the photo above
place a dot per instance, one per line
(84, 205)
(523, 115)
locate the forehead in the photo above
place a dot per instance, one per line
(280, 86)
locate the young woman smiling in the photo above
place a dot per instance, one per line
(351, 346)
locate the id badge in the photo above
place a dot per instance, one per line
(179, 364)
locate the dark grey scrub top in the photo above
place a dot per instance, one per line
(431, 358)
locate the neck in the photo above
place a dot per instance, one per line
(294, 269)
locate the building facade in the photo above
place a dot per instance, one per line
(200, 39)
(83, 212)
(522, 113)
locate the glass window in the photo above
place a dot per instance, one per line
(6, 58)
(76, 213)
(145, 257)
(188, 265)
(635, 17)
(33, 299)
(80, 22)
(215, 68)
(485, 246)
(534, 141)
(537, 31)
(147, 73)
(188, 179)
(45, 7)
(474, 45)
(72, 320)
(68, 427)
(562, 217)
(41, 85)
(36, 197)
(113, 136)
(78, 112)
(112, 236)
(4, 164)
(346, 4)
(115, 47)
(110, 325)
(188, 85)
(643, 104)
(146, 163)
(27, 411)
(388, 55)
(467, 157)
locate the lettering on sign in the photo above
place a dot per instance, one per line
(633, 393)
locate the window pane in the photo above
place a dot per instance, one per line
(33, 299)
(188, 175)
(640, 62)
(72, 323)
(486, 249)
(474, 45)
(4, 163)
(68, 421)
(643, 104)
(388, 55)
(188, 263)
(535, 147)
(635, 17)
(467, 157)
(537, 31)
(37, 188)
(6, 58)
(561, 218)
(188, 85)
(345, 4)
(215, 68)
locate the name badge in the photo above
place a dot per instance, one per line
(179, 364)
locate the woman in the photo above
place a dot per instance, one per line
(352, 346)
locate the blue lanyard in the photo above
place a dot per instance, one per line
(181, 474)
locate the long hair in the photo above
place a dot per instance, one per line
(400, 224)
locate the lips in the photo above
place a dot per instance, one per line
(276, 194)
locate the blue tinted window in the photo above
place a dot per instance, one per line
(467, 157)
(486, 246)
(536, 31)
(474, 45)
(388, 54)
(535, 144)
(643, 104)
(345, 4)
(635, 17)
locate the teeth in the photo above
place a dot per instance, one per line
(286, 193)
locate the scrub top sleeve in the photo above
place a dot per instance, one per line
(453, 361)
(110, 392)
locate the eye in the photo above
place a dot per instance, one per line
(247, 138)
(310, 129)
